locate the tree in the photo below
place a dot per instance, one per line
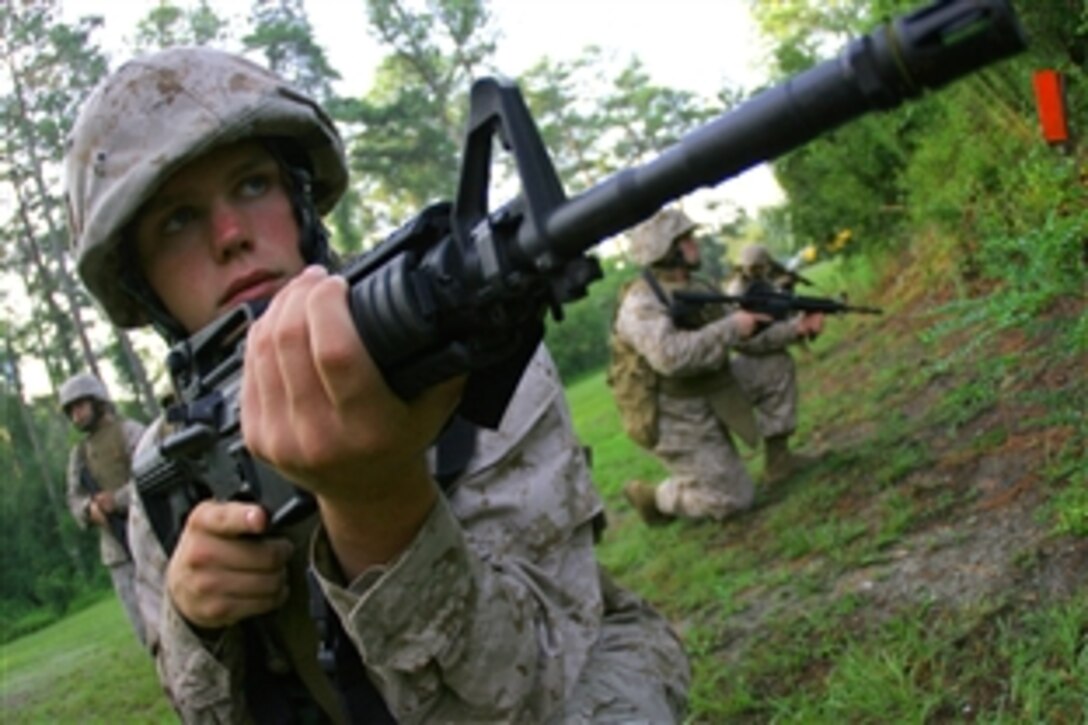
(167, 24)
(850, 178)
(646, 118)
(282, 32)
(48, 67)
(409, 125)
(597, 117)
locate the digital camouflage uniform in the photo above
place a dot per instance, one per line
(707, 478)
(764, 367)
(106, 452)
(498, 610)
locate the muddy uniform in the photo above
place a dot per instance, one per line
(707, 479)
(107, 454)
(497, 612)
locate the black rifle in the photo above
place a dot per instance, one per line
(118, 524)
(463, 289)
(760, 297)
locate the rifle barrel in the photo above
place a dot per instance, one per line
(921, 51)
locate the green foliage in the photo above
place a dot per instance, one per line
(282, 32)
(1039, 266)
(1069, 504)
(579, 343)
(166, 25)
(558, 93)
(968, 159)
(50, 562)
(848, 181)
(414, 164)
(409, 126)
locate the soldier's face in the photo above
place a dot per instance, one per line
(220, 232)
(81, 413)
(689, 249)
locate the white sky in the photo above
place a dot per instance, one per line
(696, 45)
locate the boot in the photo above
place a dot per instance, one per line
(642, 498)
(780, 463)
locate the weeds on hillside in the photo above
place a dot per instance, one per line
(915, 574)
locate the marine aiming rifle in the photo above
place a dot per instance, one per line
(463, 289)
(760, 297)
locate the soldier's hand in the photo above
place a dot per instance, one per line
(810, 324)
(96, 514)
(105, 501)
(316, 407)
(222, 571)
(746, 322)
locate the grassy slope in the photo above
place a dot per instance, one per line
(87, 668)
(931, 568)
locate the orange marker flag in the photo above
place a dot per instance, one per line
(1050, 100)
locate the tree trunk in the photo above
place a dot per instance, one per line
(144, 390)
(45, 283)
(54, 230)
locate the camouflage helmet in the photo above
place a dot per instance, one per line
(155, 114)
(755, 255)
(83, 385)
(652, 240)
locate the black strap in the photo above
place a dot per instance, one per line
(656, 287)
(275, 695)
(455, 447)
(341, 662)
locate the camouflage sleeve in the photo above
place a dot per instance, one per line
(78, 498)
(200, 678)
(645, 324)
(451, 635)
(491, 612)
(774, 338)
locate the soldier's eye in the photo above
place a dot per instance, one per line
(177, 219)
(255, 185)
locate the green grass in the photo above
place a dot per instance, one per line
(86, 668)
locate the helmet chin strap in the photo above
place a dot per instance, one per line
(313, 236)
(135, 285)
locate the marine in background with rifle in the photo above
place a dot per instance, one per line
(670, 371)
(766, 372)
(98, 481)
(768, 376)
